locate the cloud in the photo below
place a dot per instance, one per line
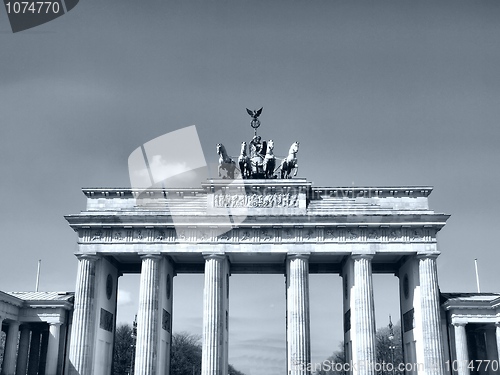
(124, 298)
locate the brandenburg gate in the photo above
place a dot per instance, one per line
(255, 224)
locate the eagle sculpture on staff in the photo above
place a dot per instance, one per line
(255, 113)
(255, 123)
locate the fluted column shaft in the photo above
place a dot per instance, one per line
(298, 319)
(147, 317)
(432, 335)
(53, 349)
(213, 348)
(461, 349)
(22, 355)
(82, 331)
(9, 359)
(363, 325)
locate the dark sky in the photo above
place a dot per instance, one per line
(378, 93)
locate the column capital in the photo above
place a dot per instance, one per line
(219, 256)
(430, 255)
(497, 324)
(90, 257)
(156, 256)
(357, 256)
(298, 255)
(459, 324)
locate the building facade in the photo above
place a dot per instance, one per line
(227, 227)
(37, 327)
(255, 226)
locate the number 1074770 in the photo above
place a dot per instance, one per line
(34, 7)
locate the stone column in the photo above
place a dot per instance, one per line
(9, 359)
(82, 331)
(34, 351)
(432, 337)
(147, 317)
(363, 315)
(53, 349)
(22, 355)
(214, 346)
(497, 331)
(461, 349)
(298, 322)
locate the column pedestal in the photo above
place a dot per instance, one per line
(432, 337)
(147, 317)
(9, 359)
(297, 315)
(82, 330)
(215, 315)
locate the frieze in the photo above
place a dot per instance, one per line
(288, 234)
(204, 236)
(373, 235)
(395, 234)
(260, 234)
(352, 234)
(118, 236)
(266, 235)
(245, 235)
(256, 200)
(309, 234)
(224, 237)
(182, 235)
(97, 236)
(332, 234)
(416, 234)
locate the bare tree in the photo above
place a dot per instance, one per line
(389, 350)
(124, 350)
(185, 356)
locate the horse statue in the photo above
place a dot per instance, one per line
(225, 162)
(290, 162)
(269, 162)
(244, 162)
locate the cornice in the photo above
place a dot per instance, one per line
(11, 300)
(212, 185)
(120, 219)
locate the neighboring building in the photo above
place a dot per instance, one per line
(473, 328)
(37, 326)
